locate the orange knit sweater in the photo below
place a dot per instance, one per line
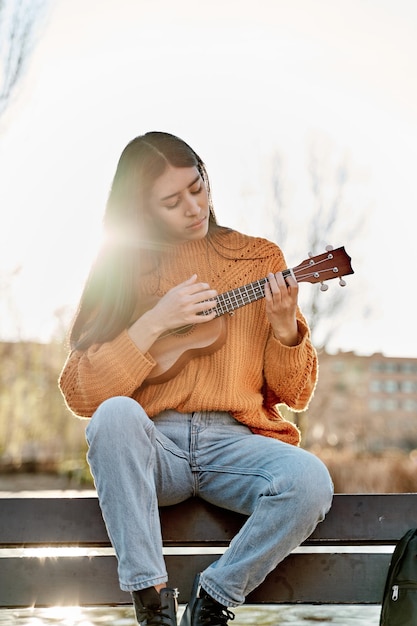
(248, 376)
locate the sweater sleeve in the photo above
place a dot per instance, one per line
(291, 372)
(114, 368)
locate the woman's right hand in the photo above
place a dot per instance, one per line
(179, 307)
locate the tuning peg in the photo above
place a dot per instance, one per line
(329, 248)
(324, 287)
(342, 282)
(310, 254)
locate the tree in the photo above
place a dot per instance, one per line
(19, 27)
(19, 22)
(329, 178)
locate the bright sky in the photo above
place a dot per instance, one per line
(241, 82)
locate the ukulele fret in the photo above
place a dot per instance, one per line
(236, 298)
(229, 301)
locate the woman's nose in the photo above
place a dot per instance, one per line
(192, 207)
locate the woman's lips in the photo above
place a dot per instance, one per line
(197, 224)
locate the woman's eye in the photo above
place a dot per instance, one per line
(173, 205)
(194, 191)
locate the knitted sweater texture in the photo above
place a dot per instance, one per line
(248, 376)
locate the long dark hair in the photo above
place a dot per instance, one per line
(108, 299)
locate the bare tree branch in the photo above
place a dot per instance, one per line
(19, 22)
(329, 182)
(279, 221)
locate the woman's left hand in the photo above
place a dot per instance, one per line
(281, 297)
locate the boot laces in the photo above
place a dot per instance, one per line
(155, 616)
(214, 614)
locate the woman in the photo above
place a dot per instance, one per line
(182, 398)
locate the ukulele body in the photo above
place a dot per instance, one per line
(172, 351)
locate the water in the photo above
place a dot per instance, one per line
(278, 615)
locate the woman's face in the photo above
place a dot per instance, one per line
(178, 206)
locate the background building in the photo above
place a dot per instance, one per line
(366, 403)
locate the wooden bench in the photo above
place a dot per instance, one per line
(342, 571)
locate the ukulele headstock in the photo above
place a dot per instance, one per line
(331, 264)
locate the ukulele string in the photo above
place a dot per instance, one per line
(312, 270)
(234, 299)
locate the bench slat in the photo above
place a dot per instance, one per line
(368, 519)
(329, 575)
(304, 578)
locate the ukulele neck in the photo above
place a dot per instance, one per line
(231, 300)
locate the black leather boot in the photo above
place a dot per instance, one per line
(156, 609)
(203, 610)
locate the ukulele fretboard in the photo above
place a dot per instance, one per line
(236, 298)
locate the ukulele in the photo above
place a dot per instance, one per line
(173, 349)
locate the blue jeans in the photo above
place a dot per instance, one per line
(139, 464)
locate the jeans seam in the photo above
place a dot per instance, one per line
(172, 449)
(221, 469)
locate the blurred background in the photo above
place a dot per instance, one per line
(305, 114)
